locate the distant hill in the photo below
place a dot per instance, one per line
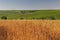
(30, 14)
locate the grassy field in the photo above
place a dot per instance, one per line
(30, 14)
(29, 30)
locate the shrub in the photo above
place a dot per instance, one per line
(4, 17)
(21, 18)
(23, 12)
(33, 18)
(52, 17)
(42, 18)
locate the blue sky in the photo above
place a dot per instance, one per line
(29, 4)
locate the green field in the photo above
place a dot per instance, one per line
(30, 14)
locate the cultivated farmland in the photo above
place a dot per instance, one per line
(30, 14)
(29, 29)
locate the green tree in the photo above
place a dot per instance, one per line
(23, 12)
(4, 17)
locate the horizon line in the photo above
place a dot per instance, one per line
(29, 9)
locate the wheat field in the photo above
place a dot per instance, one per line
(29, 29)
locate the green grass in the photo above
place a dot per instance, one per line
(30, 14)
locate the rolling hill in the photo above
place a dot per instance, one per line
(30, 14)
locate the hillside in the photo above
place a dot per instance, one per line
(30, 14)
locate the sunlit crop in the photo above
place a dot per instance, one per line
(29, 30)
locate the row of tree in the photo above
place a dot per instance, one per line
(43, 18)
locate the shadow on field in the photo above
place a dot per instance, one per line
(3, 33)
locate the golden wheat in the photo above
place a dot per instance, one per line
(29, 29)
